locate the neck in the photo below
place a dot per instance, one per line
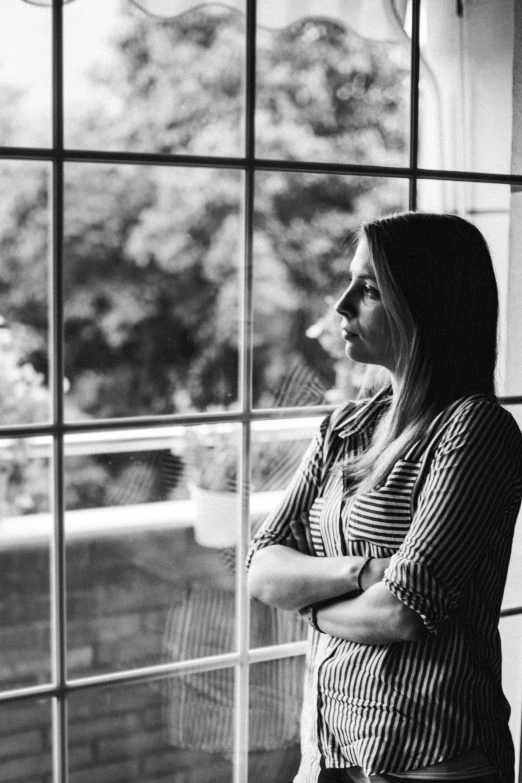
(395, 382)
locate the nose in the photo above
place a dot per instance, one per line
(345, 304)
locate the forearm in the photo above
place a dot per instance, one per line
(282, 577)
(374, 617)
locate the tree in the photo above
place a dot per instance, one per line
(152, 254)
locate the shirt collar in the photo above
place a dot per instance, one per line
(360, 415)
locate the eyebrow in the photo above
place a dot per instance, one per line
(364, 277)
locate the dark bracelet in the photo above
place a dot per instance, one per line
(311, 617)
(363, 568)
(309, 613)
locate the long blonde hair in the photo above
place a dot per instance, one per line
(438, 287)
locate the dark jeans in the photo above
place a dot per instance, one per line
(343, 776)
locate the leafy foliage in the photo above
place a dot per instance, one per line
(153, 254)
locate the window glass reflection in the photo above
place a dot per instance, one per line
(153, 82)
(25, 731)
(152, 521)
(332, 83)
(273, 728)
(25, 538)
(25, 75)
(24, 305)
(151, 290)
(178, 728)
(276, 451)
(300, 268)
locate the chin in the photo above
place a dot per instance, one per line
(357, 356)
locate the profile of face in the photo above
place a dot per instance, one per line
(365, 325)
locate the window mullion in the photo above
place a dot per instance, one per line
(58, 633)
(241, 743)
(414, 102)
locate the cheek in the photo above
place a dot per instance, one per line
(385, 327)
(381, 326)
(382, 337)
(387, 348)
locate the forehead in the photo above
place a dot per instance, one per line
(361, 263)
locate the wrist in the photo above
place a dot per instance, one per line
(353, 569)
(362, 572)
(340, 573)
(373, 571)
(362, 581)
(310, 615)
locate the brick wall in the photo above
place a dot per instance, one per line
(121, 594)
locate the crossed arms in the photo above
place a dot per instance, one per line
(290, 579)
(474, 480)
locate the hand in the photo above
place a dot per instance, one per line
(300, 537)
(282, 576)
(372, 574)
(374, 571)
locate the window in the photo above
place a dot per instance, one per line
(176, 182)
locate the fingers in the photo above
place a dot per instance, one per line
(299, 535)
(375, 571)
(305, 526)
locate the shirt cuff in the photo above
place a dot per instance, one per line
(416, 587)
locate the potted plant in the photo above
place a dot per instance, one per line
(211, 458)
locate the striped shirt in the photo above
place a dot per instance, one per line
(406, 705)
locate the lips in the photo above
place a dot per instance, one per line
(348, 335)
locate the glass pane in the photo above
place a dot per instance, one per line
(487, 206)
(151, 289)
(277, 449)
(151, 526)
(465, 86)
(24, 319)
(25, 535)
(137, 81)
(25, 75)
(25, 748)
(275, 709)
(332, 83)
(299, 270)
(176, 729)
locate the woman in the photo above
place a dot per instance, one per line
(394, 537)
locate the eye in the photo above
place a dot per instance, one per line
(371, 291)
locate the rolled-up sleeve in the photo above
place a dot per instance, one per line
(462, 513)
(299, 497)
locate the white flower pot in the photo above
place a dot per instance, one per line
(217, 517)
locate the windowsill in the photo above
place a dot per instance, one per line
(35, 530)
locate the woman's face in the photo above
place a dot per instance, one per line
(365, 325)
